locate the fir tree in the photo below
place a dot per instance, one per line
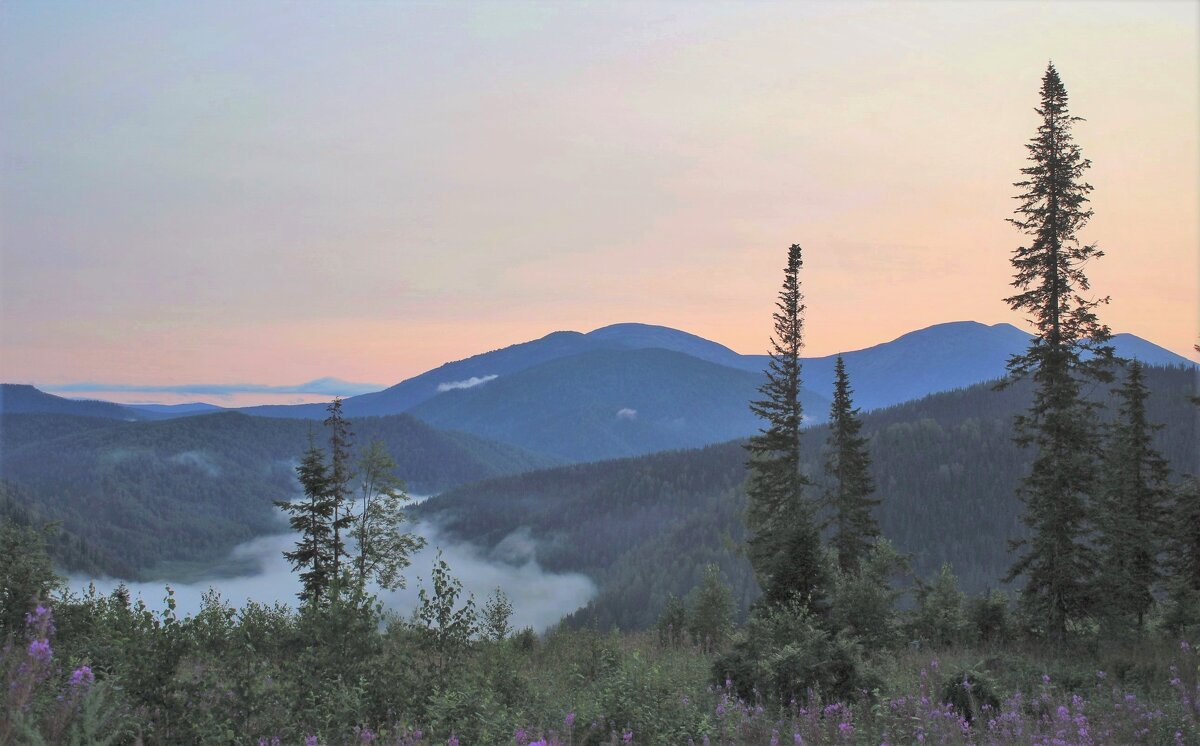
(784, 546)
(1183, 556)
(341, 472)
(1132, 508)
(1057, 561)
(312, 518)
(847, 467)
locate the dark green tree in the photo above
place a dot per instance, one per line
(312, 518)
(847, 466)
(341, 472)
(1133, 507)
(784, 545)
(26, 573)
(1183, 556)
(1057, 561)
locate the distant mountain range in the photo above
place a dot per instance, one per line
(631, 389)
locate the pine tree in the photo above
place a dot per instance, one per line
(341, 472)
(312, 518)
(850, 484)
(384, 548)
(1132, 508)
(784, 546)
(1057, 561)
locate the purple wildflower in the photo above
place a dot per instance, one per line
(310, 741)
(453, 740)
(570, 719)
(628, 737)
(39, 650)
(82, 677)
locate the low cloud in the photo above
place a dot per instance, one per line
(198, 460)
(469, 383)
(627, 414)
(322, 386)
(540, 598)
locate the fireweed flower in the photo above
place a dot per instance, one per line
(628, 737)
(453, 740)
(40, 651)
(310, 741)
(83, 677)
(569, 720)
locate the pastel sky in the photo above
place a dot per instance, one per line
(269, 193)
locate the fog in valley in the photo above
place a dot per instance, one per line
(539, 598)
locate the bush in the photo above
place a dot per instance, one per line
(785, 654)
(969, 690)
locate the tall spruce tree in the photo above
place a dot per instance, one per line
(1057, 561)
(847, 468)
(341, 472)
(312, 518)
(784, 545)
(1133, 508)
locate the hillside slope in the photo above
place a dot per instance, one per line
(945, 465)
(189, 489)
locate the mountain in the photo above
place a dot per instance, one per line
(945, 465)
(20, 398)
(186, 490)
(607, 404)
(177, 410)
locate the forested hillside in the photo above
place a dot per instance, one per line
(146, 495)
(946, 469)
(608, 404)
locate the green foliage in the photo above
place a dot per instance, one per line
(864, 600)
(847, 469)
(494, 621)
(710, 618)
(312, 518)
(384, 548)
(672, 623)
(448, 628)
(969, 690)
(1183, 557)
(940, 618)
(784, 545)
(1131, 512)
(1057, 561)
(26, 575)
(990, 617)
(784, 652)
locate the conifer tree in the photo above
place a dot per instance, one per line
(341, 472)
(1132, 508)
(311, 518)
(847, 467)
(784, 546)
(1057, 561)
(1183, 556)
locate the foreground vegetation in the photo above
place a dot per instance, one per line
(105, 669)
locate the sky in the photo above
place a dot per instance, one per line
(262, 194)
